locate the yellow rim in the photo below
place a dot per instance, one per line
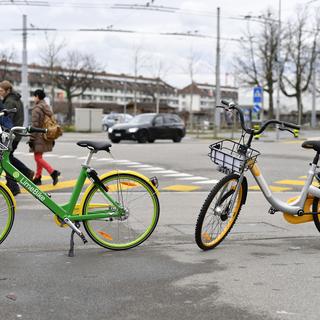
(206, 236)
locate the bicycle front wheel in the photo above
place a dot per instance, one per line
(7, 211)
(219, 212)
(142, 209)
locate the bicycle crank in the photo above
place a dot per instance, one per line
(76, 230)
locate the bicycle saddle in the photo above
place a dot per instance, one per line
(95, 145)
(315, 145)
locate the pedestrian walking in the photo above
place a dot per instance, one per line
(12, 99)
(38, 145)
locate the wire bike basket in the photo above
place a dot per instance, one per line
(232, 156)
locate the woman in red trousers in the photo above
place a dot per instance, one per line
(38, 145)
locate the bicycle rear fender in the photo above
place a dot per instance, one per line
(78, 208)
(4, 186)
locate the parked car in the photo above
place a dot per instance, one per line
(148, 127)
(113, 118)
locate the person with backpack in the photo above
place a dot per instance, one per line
(12, 99)
(37, 143)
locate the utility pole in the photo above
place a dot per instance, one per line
(157, 98)
(124, 96)
(24, 72)
(314, 88)
(279, 68)
(217, 93)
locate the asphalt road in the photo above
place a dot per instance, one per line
(265, 269)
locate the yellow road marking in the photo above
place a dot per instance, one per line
(59, 185)
(294, 182)
(293, 141)
(45, 178)
(291, 182)
(302, 177)
(272, 188)
(180, 187)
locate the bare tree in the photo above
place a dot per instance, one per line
(192, 67)
(75, 76)
(159, 71)
(50, 58)
(140, 60)
(256, 62)
(299, 58)
(7, 56)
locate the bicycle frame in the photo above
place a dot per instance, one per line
(65, 210)
(296, 207)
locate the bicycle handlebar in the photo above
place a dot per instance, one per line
(5, 112)
(29, 129)
(232, 106)
(36, 130)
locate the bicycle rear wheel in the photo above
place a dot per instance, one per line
(316, 208)
(7, 212)
(217, 217)
(142, 212)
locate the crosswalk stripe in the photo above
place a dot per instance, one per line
(165, 171)
(207, 182)
(193, 178)
(140, 166)
(152, 168)
(178, 175)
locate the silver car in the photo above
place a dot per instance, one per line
(114, 118)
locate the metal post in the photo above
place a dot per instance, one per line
(314, 84)
(124, 97)
(279, 68)
(217, 93)
(157, 98)
(24, 72)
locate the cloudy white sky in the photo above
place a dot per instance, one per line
(115, 50)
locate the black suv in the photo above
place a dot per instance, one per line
(147, 127)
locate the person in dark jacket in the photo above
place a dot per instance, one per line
(38, 145)
(10, 100)
(5, 121)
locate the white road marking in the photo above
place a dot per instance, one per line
(140, 166)
(152, 168)
(207, 182)
(165, 171)
(178, 175)
(193, 178)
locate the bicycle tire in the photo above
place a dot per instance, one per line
(7, 213)
(141, 221)
(205, 233)
(315, 217)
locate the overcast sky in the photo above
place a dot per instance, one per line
(115, 51)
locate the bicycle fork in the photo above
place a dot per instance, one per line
(234, 195)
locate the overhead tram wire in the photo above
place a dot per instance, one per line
(174, 34)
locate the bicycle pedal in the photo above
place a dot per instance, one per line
(272, 210)
(83, 238)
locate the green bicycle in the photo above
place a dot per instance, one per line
(119, 210)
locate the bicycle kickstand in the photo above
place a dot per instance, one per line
(71, 250)
(75, 229)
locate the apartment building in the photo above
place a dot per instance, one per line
(117, 92)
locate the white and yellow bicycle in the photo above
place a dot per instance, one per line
(223, 204)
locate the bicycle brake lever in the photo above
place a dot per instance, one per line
(286, 129)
